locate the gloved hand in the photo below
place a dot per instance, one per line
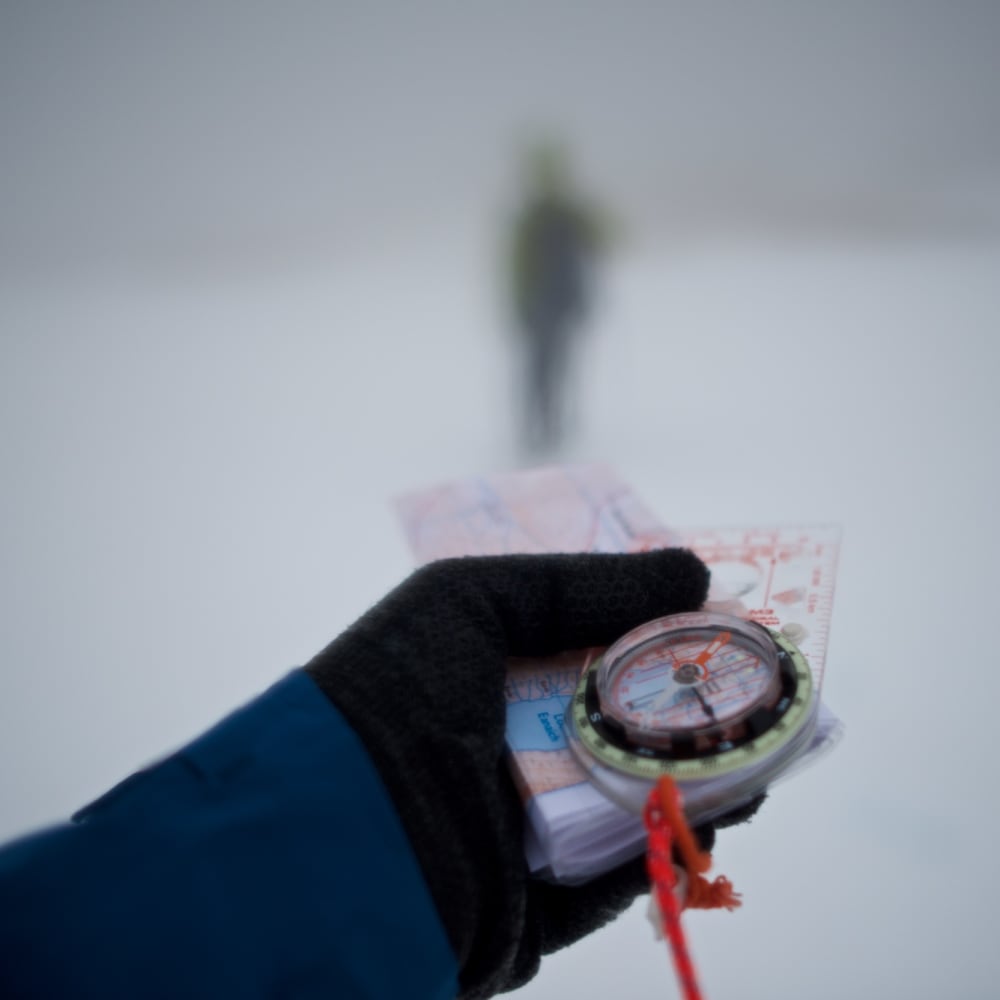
(420, 678)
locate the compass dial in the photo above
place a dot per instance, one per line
(695, 695)
(698, 680)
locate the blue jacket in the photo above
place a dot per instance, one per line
(264, 859)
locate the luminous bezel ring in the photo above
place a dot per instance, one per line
(613, 749)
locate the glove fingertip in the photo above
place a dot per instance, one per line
(683, 570)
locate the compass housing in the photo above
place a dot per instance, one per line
(698, 696)
(690, 682)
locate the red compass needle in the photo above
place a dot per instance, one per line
(712, 648)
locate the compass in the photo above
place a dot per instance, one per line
(699, 696)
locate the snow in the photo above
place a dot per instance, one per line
(198, 477)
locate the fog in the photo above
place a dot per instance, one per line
(251, 289)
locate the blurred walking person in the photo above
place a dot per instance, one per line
(555, 239)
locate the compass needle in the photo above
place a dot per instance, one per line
(709, 711)
(712, 648)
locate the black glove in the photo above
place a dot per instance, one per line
(420, 678)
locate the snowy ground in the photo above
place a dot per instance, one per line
(196, 483)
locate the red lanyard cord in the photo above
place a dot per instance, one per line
(665, 823)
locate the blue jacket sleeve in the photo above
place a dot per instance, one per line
(263, 860)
